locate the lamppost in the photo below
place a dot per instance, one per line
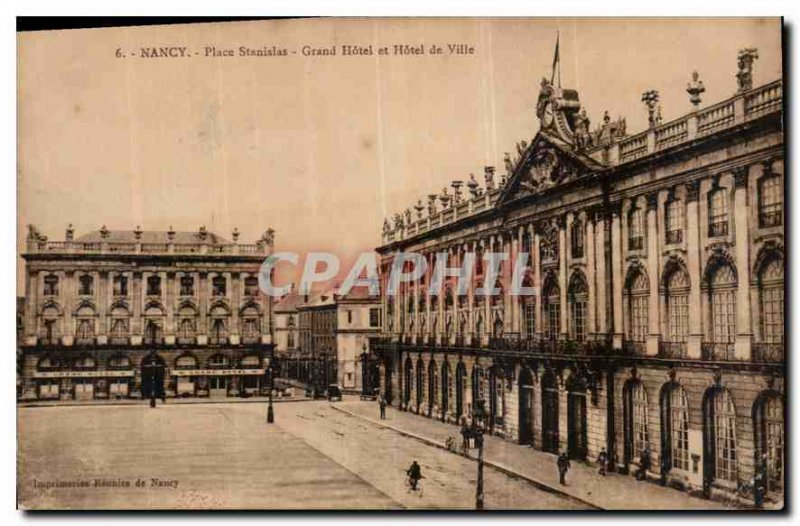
(151, 366)
(477, 433)
(270, 411)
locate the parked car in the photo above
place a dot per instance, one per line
(334, 392)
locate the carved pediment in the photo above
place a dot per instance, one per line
(546, 163)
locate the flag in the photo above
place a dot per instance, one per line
(556, 59)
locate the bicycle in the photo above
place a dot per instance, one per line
(410, 487)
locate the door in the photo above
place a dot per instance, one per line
(550, 414)
(84, 389)
(577, 443)
(218, 386)
(525, 408)
(49, 389)
(185, 385)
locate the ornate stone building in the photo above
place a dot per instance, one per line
(100, 305)
(659, 260)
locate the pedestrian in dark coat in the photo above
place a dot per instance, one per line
(382, 403)
(644, 464)
(602, 461)
(563, 467)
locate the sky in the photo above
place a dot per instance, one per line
(323, 148)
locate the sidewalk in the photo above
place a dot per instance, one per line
(612, 492)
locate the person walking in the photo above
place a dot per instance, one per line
(602, 461)
(644, 464)
(382, 404)
(563, 467)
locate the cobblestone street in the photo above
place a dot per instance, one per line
(225, 456)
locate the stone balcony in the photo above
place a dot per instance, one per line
(112, 248)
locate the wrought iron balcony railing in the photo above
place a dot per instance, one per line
(768, 352)
(714, 351)
(718, 229)
(770, 219)
(674, 237)
(672, 350)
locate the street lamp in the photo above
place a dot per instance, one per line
(477, 434)
(270, 410)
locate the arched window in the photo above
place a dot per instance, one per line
(84, 331)
(85, 285)
(219, 331)
(674, 221)
(186, 361)
(251, 330)
(675, 426)
(771, 302)
(186, 331)
(551, 308)
(769, 434)
(770, 201)
(576, 238)
(677, 299)
(720, 425)
(722, 300)
(153, 286)
(636, 229)
(152, 332)
(119, 327)
(578, 298)
(639, 436)
(718, 212)
(638, 291)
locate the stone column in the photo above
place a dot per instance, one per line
(201, 286)
(102, 301)
(516, 240)
(744, 332)
(170, 284)
(562, 277)
(589, 246)
(653, 316)
(537, 279)
(693, 346)
(68, 282)
(234, 293)
(616, 274)
(32, 295)
(602, 273)
(136, 302)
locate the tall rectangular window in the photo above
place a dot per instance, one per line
(636, 229)
(51, 285)
(638, 329)
(530, 319)
(718, 213)
(674, 221)
(770, 202)
(375, 317)
(678, 317)
(679, 420)
(120, 286)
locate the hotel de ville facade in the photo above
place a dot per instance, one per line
(659, 259)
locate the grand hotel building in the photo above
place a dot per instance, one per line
(102, 308)
(659, 258)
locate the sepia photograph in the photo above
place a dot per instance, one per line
(459, 264)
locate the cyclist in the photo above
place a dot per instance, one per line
(414, 474)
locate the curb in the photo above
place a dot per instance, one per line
(494, 465)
